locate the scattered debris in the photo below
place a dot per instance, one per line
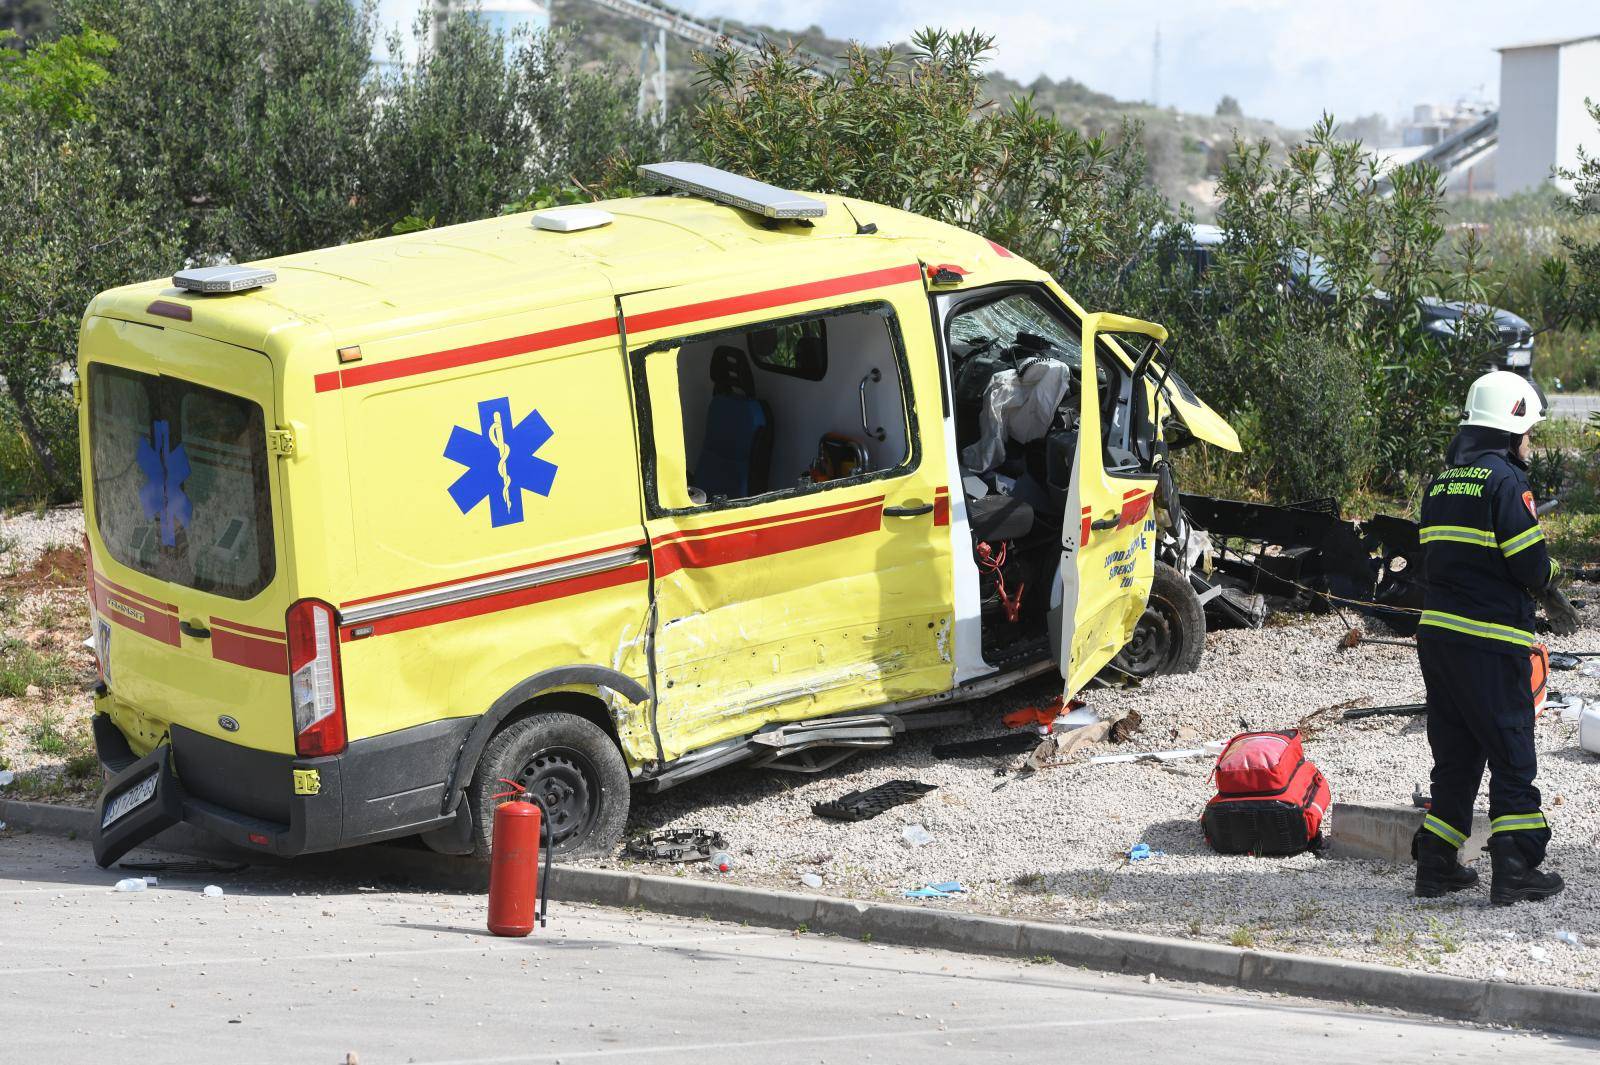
(1126, 727)
(1215, 747)
(811, 880)
(1355, 638)
(132, 883)
(1398, 710)
(211, 891)
(1563, 660)
(868, 803)
(722, 861)
(1042, 716)
(1079, 717)
(936, 891)
(1005, 743)
(1140, 852)
(6, 777)
(1571, 939)
(916, 836)
(677, 845)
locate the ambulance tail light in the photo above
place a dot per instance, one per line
(315, 690)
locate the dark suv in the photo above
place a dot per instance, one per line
(1439, 316)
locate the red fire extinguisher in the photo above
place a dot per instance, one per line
(520, 828)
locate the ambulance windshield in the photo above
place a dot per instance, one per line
(180, 481)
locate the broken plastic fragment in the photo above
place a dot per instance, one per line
(1140, 851)
(211, 891)
(811, 880)
(1571, 939)
(916, 836)
(133, 883)
(6, 777)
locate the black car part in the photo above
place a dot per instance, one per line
(1373, 565)
(678, 845)
(868, 803)
(1005, 743)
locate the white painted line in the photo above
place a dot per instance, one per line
(899, 1035)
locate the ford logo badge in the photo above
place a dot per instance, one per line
(228, 724)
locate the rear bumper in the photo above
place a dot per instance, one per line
(378, 788)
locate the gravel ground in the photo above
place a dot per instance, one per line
(1052, 846)
(25, 536)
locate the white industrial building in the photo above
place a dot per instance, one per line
(1543, 121)
(502, 16)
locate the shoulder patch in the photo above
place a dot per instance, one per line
(1527, 498)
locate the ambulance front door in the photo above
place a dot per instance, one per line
(1108, 552)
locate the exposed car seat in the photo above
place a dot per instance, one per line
(736, 453)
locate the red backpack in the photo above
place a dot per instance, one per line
(1269, 801)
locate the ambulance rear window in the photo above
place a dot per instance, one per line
(180, 481)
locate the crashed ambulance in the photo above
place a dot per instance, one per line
(596, 498)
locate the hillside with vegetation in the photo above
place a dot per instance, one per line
(1185, 151)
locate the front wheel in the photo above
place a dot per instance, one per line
(1171, 634)
(571, 765)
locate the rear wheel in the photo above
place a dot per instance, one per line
(1171, 634)
(571, 765)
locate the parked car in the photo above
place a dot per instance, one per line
(594, 499)
(1441, 316)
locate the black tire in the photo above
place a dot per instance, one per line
(572, 765)
(1171, 634)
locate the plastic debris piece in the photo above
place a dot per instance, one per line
(132, 883)
(6, 777)
(1041, 716)
(1141, 851)
(152, 881)
(1155, 756)
(1082, 717)
(868, 803)
(2, 826)
(1571, 939)
(211, 891)
(916, 836)
(925, 893)
(811, 880)
(1499, 974)
(949, 887)
(722, 861)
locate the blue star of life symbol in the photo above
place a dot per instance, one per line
(165, 469)
(501, 461)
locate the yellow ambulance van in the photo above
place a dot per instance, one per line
(597, 498)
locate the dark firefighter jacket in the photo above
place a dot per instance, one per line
(1486, 556)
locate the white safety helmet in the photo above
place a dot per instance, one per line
(1504, 400)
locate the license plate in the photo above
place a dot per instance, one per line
(130, 800)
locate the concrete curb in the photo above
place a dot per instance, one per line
(1481, 1001)
(1384, 833)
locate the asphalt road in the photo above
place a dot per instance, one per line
(283, 970)
(1573, 405)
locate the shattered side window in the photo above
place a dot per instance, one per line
(1012, 320)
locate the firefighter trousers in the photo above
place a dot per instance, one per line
(1480, 713)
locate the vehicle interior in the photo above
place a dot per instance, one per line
(1016, 365)
(792, 404)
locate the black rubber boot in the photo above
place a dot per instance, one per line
(1439, 870)
(1514, 880)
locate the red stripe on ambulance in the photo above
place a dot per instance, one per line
(776, 297)
(672, 555)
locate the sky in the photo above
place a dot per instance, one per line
(1286, 60)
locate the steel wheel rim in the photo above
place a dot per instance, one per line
(567, 785)
(1155, 642)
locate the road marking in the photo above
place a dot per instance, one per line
(839, 1037)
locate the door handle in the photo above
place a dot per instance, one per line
(1103, 524)
(910, 510)
(199, 632)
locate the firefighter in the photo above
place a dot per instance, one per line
(1486, 564)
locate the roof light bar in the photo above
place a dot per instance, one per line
(747, 194)
(213, 280)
